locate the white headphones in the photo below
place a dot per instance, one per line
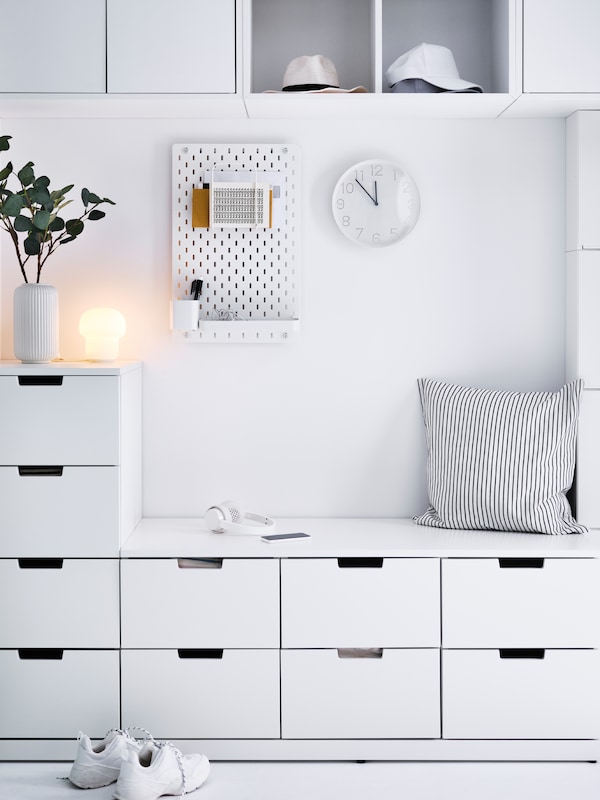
(227, 516)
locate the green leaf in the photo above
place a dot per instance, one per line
(56, 224)
(74, 227)
(6, 171)
(12, 206)
(41, 196)
(42, 182)
(96, 214)
(68, 239)
(32, 245)
(22, 223)
(26, 174)
(89, 197)
(41, 220)
(106, 200)
(4, 145)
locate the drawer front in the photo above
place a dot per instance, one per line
(204, 602)
(75, 422)
(520, 695)
(350, 694)
(390, 602)
(59, 603)
(224, 694)
(488, 602)
(59, 511)
(54, 698)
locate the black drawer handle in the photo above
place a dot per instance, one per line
(40, 380)
(40, 654)
(199, 653)
(527, 652)
(40, 563)
(200, 563)
(359, 563)
(41, 472)
(521, 563)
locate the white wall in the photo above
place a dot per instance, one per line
(328, 424)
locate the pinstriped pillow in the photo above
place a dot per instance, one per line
(500, 460)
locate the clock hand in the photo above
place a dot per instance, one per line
(374, 199)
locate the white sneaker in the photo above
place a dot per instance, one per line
(99, 764)
(159, 768)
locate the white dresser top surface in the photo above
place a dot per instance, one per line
(332, 538)
(68, 367)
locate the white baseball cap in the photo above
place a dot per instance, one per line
(431, 63)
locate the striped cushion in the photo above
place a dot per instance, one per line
(500, 460)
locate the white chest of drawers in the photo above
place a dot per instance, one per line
(70, 483)
(396, 642)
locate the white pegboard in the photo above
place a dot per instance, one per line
(250, 275)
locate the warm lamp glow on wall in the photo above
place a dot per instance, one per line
(102, 328)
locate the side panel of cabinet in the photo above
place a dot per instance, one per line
(583, 180)
(53, 47)
(183, 46)
(560, 46)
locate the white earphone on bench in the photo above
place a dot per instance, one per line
(228, 517)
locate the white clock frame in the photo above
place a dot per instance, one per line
(376, 203)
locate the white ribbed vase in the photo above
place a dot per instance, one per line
(35, 322)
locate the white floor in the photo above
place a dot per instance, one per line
(347, 781)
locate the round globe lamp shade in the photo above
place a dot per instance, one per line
(102, 328)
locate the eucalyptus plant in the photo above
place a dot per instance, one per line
(32, 215)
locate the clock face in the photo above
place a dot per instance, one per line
(376, 203)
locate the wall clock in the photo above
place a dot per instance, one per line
(376, 203)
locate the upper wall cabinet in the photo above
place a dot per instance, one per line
(53, 47)
(561, 58)
(174, 47)
(363, 38)
(560, 46)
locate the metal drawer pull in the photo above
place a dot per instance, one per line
(49, 472)
(531, 652)
(200, 563)
(521, 563)
(40, 563)
(360, 652)
(40, 654)
(357, 563)
(199, 653)
(40, 380)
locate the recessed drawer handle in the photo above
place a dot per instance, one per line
(200, 563)
(199, 653)
(521, 563)
(41, 472)
(40, 654)
(40, 563)
(360, 652)
(40, 380)
(528, 652)
(358, 563)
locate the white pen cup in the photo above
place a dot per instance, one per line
(185, 315)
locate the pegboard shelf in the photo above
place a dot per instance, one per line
(267, 332)
(250, 275)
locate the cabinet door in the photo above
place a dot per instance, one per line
(53, 47)
(59, 420)
(334, 694)
(560, 46)
(583, 180)
(185, 46)
(513, 602)
(349, 602)
(587, 497)
(520, 694)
